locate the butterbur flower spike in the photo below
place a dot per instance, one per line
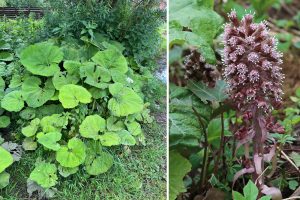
(252, 70)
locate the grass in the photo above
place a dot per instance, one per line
(138, 173)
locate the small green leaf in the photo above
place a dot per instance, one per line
(32, 128)
(13, 101)
(29, 144)
(217, 94)
(72, 155)
(91, 126)
(6, 56)
(4, 179)
(110, 139)
(134, 128)
(44, 174)
(238, 196)
(293, 184)
(71, 95)
(66, 171)
(54, 123)
(250, 191)
(266, 198)
(296, 158)
(4, 121)
(6, 159)
(126, 138)
(114, 124)
(49, 140)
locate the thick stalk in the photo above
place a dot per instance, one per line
(221, 149)
(258, 146)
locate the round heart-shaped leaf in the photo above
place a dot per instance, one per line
(95, 75)
(71, 95)
(63, 78)
(34, 94)
(13, 101)
(126, 138)
(72, 155)
(110, 139)
(42, 59)
(134, 128)
(91, 126)
(111, 59)
(4, 179)
(100, 164)
(44, 174)
(125, 101)
(4, 121)
(32, 128)
(49, 140)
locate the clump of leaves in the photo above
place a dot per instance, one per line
(74, 109)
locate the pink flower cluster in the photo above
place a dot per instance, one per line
(252, 64)
(255, 80)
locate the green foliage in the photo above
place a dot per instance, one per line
(134, 24)
(180, 167)
(6, 159)
(44, 174)
(250, 193)
(42, 59)
(202, 22)
(4, 121)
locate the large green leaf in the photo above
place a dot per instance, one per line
(184, 37)
(6, 159)
(100, 164)
(110, 139)
(95, 75)
(42, 59)
(64, 78)
(91, 126)
(111, 59)
(13, 101)
(49, 140)
(71, 95)
(44, 174)
(179, 167)
(125, 101)
(184, 129)
(72, 155)
(200, 19)
(35, 94)
(32, 128)
(296, 158)
(216, 94)
(4, 121)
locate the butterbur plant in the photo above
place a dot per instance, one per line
(254, 76)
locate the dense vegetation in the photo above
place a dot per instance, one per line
(77, 99)
(214, 126)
